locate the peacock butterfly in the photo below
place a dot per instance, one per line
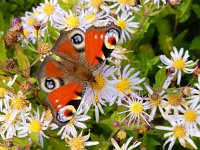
(68, 68)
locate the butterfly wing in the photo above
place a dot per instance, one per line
(100, 42)
(55, 75)
(72, 49)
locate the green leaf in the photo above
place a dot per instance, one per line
(184, 8)
(56, 144)
(160, 77)
(179, 38)
(1, 24)
(196, 9)
(3, 51)
(150, 142)
(22, 59)
(195, 43)
(35, 138)
(20, 141)
(165, 39)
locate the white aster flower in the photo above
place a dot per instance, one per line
(8, 123)
(155, 100)
(125, 146)
(194, 99)
(118, 55)
(97, 93)
(19, 105)
(126, 23)
(70, 20)
(173, 103)
(177, 131)
(124, 5)
(79, 142)
(97, 19)
(95, 5)
(50, 11)
(4, 93)
(190, 119)
(76, 121)
(102, 88)
(178, 62)
(136, 110)
(34, 124)
(126, 82)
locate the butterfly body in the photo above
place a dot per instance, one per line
(64, 73)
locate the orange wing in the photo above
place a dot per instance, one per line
(65, 101)
(100, 42)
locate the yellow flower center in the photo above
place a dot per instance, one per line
(179, 131)
(2, 92)
(179, 64)
(123, 86)
(18, 103)
(76, 143)
(30, 21)
(35, 126)
(71, 122)
(121, 23)
(99, 84)
(136, 108)
(48, 9)
(174, 100)
(91, 18)
(7, 117)
(186, 91)
(121, 134)
(72, 22)
(122, 1)
(96, 3)
(190, 116)
(25, 33)
(155, 102)
(130, 2)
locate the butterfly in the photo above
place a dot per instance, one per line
(66, 71)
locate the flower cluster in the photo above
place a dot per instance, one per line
(116, 85)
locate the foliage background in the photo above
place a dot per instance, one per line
(159, 31)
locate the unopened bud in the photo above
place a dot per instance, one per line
(26, 86)
(121, 135)
(173, 2)
(16, 24)
(44, 48)
(11, 37)
(9, 64)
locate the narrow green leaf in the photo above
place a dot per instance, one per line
(35, 138)
(165, 39)
(22, 59)
(196, 9)
(184, 8)
(195, 43)
(160, 77)
(3, 50)
(20, 141)
(179, 38)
